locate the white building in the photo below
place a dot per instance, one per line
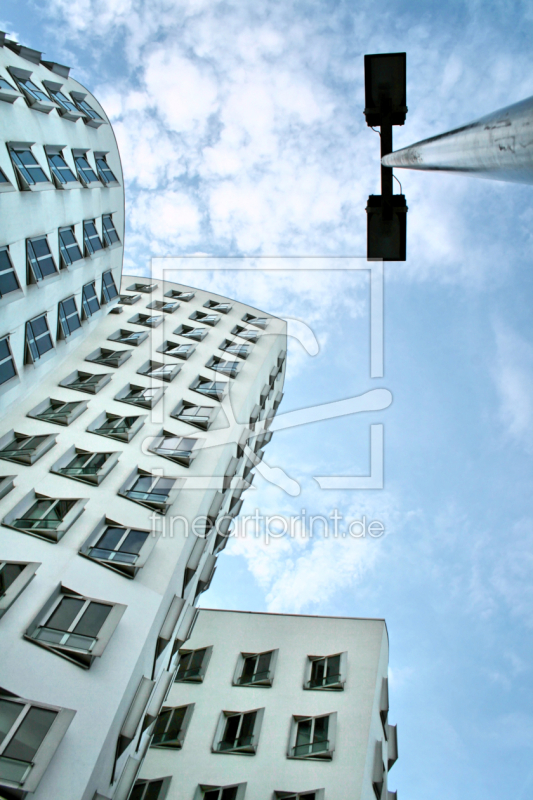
(268, 706)
(129, 427)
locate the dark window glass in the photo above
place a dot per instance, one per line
(68, 316)
(168, 725)
(89, 110)
(69, 247)
(93, 619)
(30, 734)
(108, 286)
(38, 337)
(8, 574)
(28, 167)
(91, 238)
(120, 544)
(104, 171)
(7, 363)
(40, 258)
(8, 277)
(63, 101)
(65, 613)
(60, 169)
(32, 89)
(89, 300)
(85, 172)
(3, 178)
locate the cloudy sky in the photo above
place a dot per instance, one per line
(242, 133)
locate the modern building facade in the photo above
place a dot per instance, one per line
(268, 706)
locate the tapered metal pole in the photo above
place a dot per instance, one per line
(498, 146)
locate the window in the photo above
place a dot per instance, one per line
(150, 790)
(327, 672)
(91, 239)
(89, 300)
(31, 733)
(86, 381)
(122, 549)
(222, 308)
(125, 336)
(58, 411)
(180, 449)
(14, 577)
(104, 170)
(159, 305)
(85, 466)
(116, 427)
(207, 319)
(46, 517)
(183, 351)
(109, 290)
(259, 322)
(25, 449)
(147, 288)
(199, 416)
(61, 172)
(235, 792)
(111, 358)
(8, 277)
(255, 669)
(66, 108)
(244, 333)
(149, 321)
(238, 732)
(7, 92)
(41, 262)
(240, 350)
(313, 737)
(176, 294)
(69, 320)
(192, 665)
(171, 726)
(154, 492)
(129, 299)
(5, 183)
(140, 396)
(30, 174)
(74, 626)
(90, 116)
(318, 794)
(68, 247)
(34, 96)
(110, 233)
(191, 333)
(379, 772)
(38, 339)
(230, 368)
(213, 389)
(8, 369)
(154, 369)
(86, 174)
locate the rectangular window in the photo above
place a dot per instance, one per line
(154, 369)
(239, 732)
(199, 416)
(256, 669)
(110, 233)
(41, 262)
(149, 490)
(121, 428)
(66, 108)
(150, 790)
(69, 319)
(27, 168)
(313, 737)
(91, 239)
(34, 96)
(92, 118)
(206, 319)
(14, 578)
(7, 362)
(175, 294)
(109, 290)
(60, 169)
(180, 449)
(327, 672)
(140, 395)
(213, 389)
(222, 308)
(86, 174)
(58, 411)
(316, 795)
(183, 351)
(85, 466)
(68, 247)
(244, 333)
(171, 726)
(129, 299)
(240, 350)
(198, 334)
(118, 547)
(89, 300)
(75, 627)
(192, 665)
(235, 792)
(159, 305)
(124, 336)
(229, 368)
(111, 358)
(104, 170)
(7, 92)
(38, 339)
(148, 320)
(25, 449)
(8, 277)
(44, 515)
(86, 381)
(147, 288)
(259, 322)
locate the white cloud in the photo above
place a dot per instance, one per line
(513, 376)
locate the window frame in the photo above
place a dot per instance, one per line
(218, 364)
(64, 248)
(10, 357)
(68, 418)
(26, 183)
(337, 686)
(194, 387)
(107, 233)
(203, 788)
(56, 172)
(106, 296)
(183, 405)
(241, 349)
(183, 354)
(63, 328)
(49, 534)
(146, 783)
(173, 744)
(64, 107)
(205, 319)
(90, 116)
(185, 460)
(101, 156)
(122, 436)
(12, 293)
(128, 570)
(324, 755)
(265, 683)
(177, 294)
(88, 388)
(246, 750)
(319, 794)
(35, 98)
(34, 455)
(129, 299)
(143, 319)
(34, 273)
(84, 172)
(186, 330)
(220, 307)
(19, 584)
(48, 746)
(200, 674)
(259, 322)
(30, 357)
(122, 395)
(90, 251)
(93, 479)
(94, 355)
(161, 507)
(85, 301)
(122, 335)
(80, 658)
(147, 369)
(10, 94)
(146, 288)
(160, 305)
(246, 333)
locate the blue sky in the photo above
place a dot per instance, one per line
(242, 133)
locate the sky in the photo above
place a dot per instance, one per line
(242, 134)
